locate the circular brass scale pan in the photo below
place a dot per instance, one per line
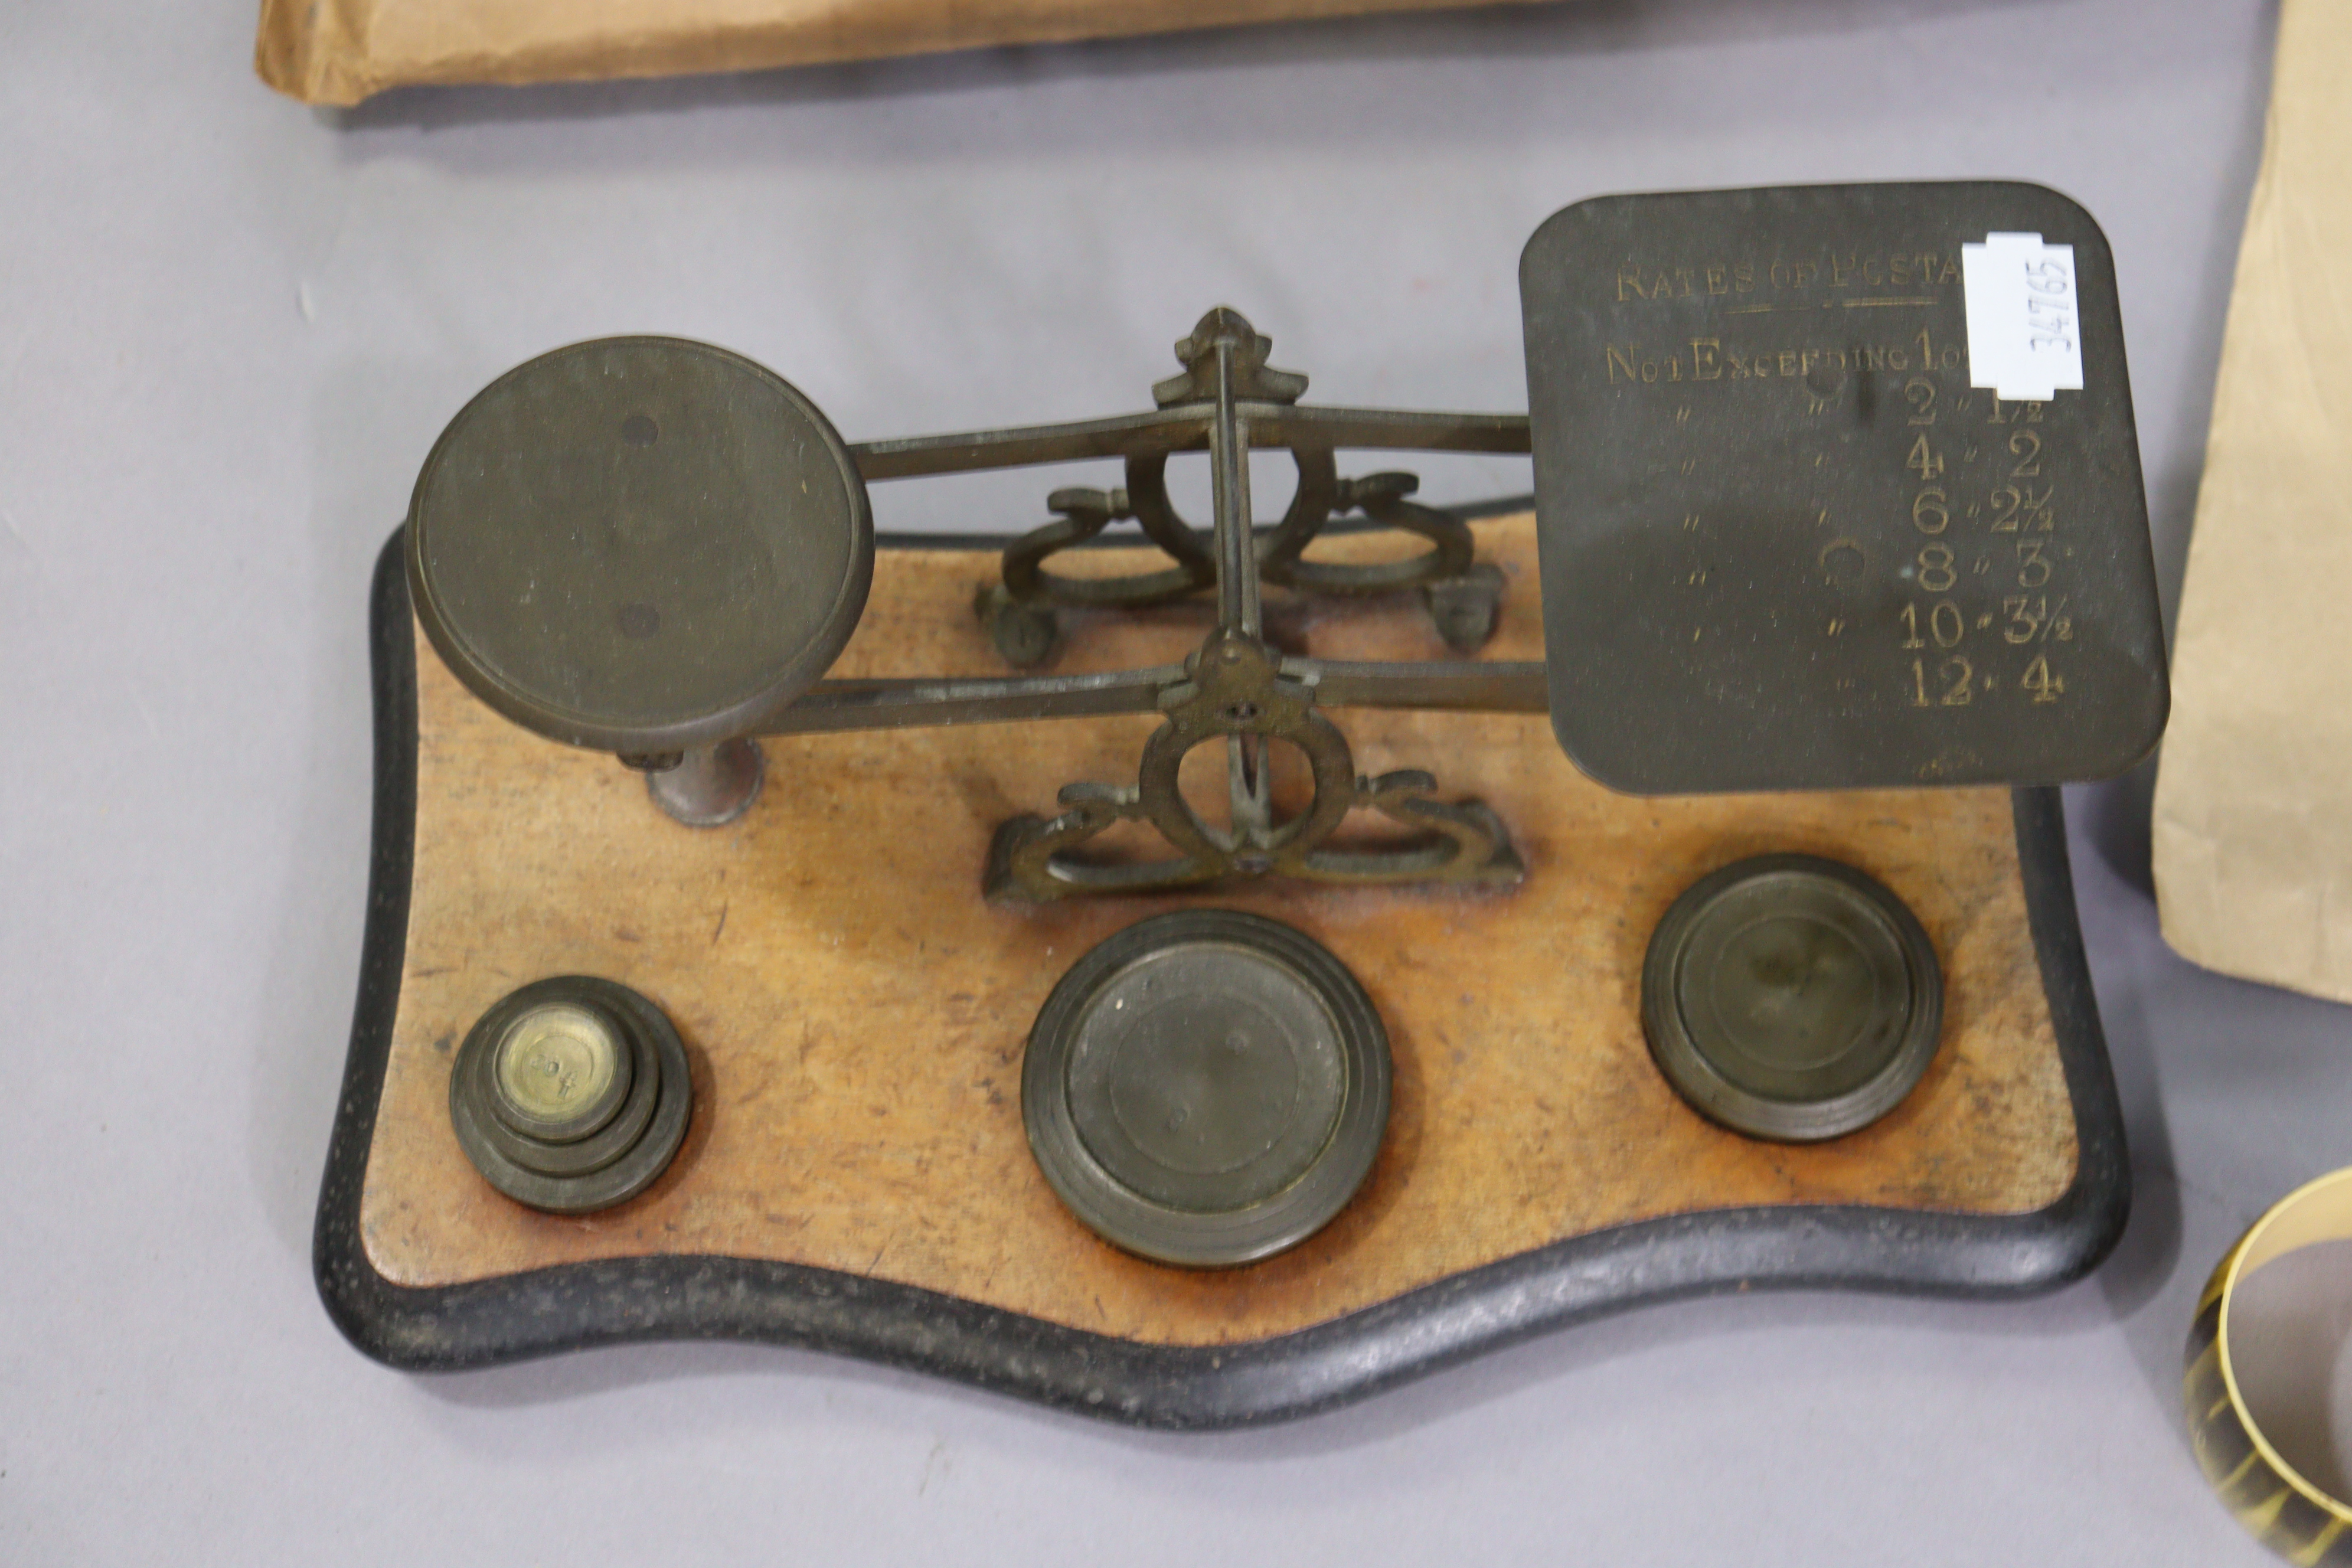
(1792, 997)
(641, 544)
(570, 1094)
(1206, 1088)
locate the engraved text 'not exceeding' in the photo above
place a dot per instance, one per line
(1707, 358)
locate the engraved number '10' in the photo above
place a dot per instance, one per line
(1946, 625)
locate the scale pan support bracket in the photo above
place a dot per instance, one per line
(1838, 487)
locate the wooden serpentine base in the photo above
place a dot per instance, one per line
(855, 1016)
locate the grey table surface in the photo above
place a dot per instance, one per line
(230, 327)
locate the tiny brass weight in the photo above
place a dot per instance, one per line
(570, 1094)
(559, 1072)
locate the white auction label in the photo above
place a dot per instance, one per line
(2025, 338)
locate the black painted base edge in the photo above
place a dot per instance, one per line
(575, 1306)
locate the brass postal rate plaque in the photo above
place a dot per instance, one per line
(1795, 533)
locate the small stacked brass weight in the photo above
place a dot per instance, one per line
(655, 548)
(570, 1094)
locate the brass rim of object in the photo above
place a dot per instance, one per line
(2277, 1504)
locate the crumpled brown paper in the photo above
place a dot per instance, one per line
(341, 52)
(2253, 798)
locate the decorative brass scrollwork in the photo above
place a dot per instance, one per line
(1235, 690)
(1020, 611)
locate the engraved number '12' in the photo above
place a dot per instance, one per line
(1954, 675)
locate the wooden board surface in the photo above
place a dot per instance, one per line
(856, 1013)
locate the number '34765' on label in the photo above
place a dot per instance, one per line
(2025, 337)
